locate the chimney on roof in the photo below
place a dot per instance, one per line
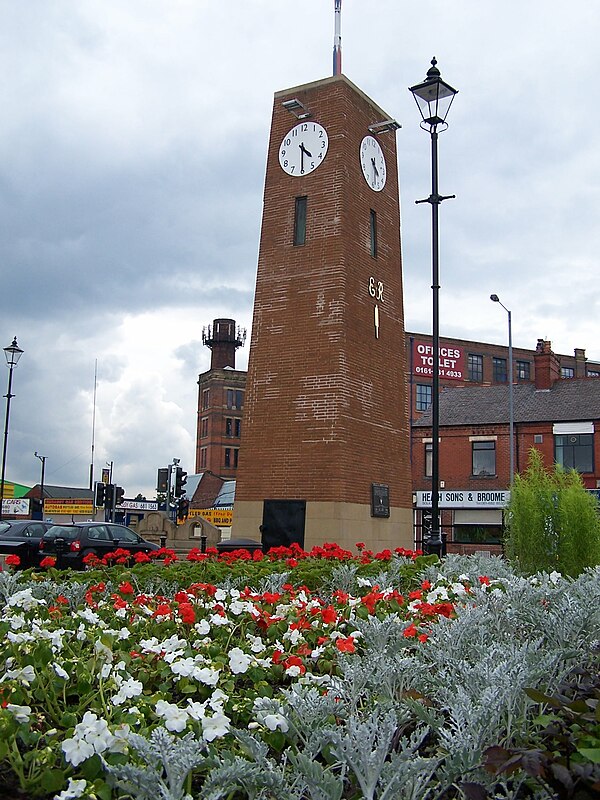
(547, 365)
(580, 360)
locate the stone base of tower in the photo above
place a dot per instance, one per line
(342, 523)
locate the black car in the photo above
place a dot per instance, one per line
(70, 544)
(22, 538)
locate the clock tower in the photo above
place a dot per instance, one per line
(325, 437)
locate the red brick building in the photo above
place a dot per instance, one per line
(221, 391)
(557, 416)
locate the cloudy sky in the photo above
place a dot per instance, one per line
(133, 139)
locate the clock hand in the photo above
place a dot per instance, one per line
(375, 170)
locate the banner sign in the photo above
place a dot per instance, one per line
(69, 505)
(465, 498)
(138, 505)
(221, 517)
(451, 361)
(15, 507)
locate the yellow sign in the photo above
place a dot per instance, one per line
(221, 517)
(68, 505)
(8, 490)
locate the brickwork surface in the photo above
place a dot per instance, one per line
(325, 411)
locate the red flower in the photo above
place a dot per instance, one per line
(126, 588)
(345, 645)
(360, 546)
(141, 558)
(295, 661)
(13, 560)
(483, 579)
(48, 561)
(329, 615)
(410, 631)
(187, 613)
(425, 585)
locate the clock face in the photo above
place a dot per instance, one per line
(303, 148)
(372, 163)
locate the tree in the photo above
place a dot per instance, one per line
(553, 521)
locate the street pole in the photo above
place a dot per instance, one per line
(13, 353)
(511, 405)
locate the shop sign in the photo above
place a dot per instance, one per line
(69, 505)
(15, 507)
(451, 361)
(221, 517)
(138, 505)
(465, 498)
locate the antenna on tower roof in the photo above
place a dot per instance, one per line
(337, 39)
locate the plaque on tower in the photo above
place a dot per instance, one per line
(380, 500)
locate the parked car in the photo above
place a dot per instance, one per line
(22, 538)
(70, 544)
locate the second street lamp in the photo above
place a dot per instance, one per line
(511, 406)
(434, 98)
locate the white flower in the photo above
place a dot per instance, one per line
(220, 595)
(128, 689)
(206, 675)
(256, 643)
(364, 581)
(237, 607)
(25, 675)
(20, 713)
(62, 673)
(293, 671)
(239, 661)
(555, 577)
(215, 726)
(175, 718)
(25, 600)
(217, 619)
(293, 636)
(202, 628)
(89, 616)
(74, 790)
(77, 750)
(274, 721)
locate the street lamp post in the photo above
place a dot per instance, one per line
(43, 460)
(511, 407)
(13, 353)
(434, 98)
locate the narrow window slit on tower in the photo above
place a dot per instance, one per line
(300, 221)
(373, 227)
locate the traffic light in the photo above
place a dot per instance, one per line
(100, 494)
(109, 493)
(119, 493)
(162, 481)
(183, 509)
(180, 481)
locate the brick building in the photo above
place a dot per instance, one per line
(221, 392)
(556, 415)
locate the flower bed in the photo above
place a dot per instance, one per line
(294, 675)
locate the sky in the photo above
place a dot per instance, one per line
(133, 138)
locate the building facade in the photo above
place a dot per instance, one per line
(555, 414)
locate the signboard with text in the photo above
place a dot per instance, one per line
(451, 363)
(138, 505)
(465, 498)
(15, 507)
(69, 505)
(221, 517)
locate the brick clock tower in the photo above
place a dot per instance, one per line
(325, 443)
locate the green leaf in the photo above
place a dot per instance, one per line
(591, 753)
(540, 697)
(53, 780)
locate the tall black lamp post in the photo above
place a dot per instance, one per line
(434, 98)
(511, 405)
(13, 353)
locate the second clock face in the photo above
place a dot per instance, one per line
(303, 149)
(372, 162)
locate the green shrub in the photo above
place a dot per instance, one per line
(553, 521)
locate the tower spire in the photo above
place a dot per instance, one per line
(337, 39)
